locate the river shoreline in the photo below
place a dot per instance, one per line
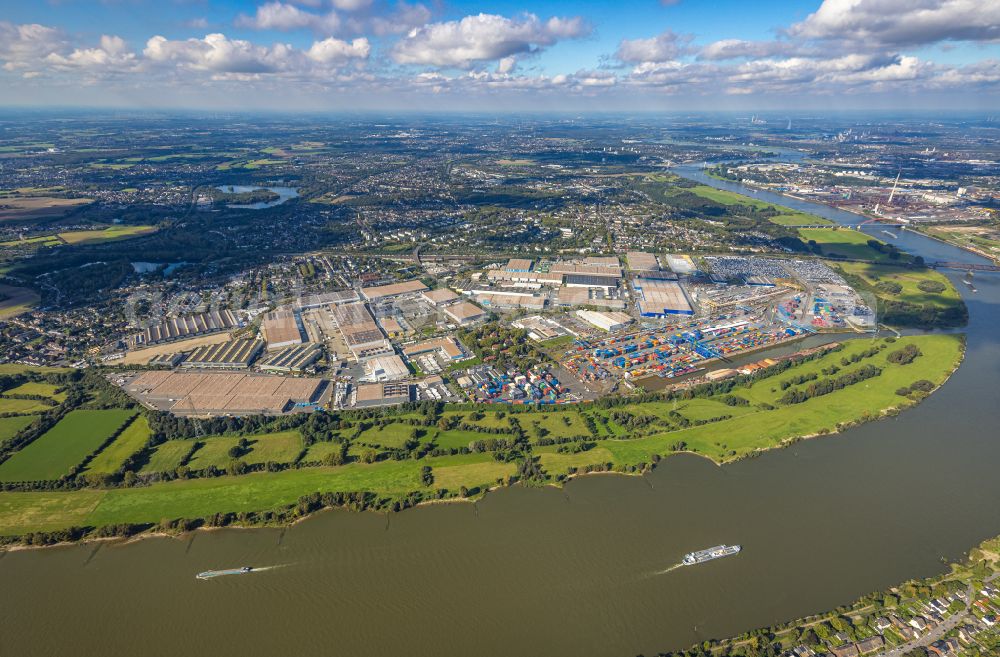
(155, 532)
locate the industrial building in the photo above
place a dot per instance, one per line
(588, 275)
(681, 264)
(464, 313)
(292, 359)
(216, 393)
(232, 355)
(386, 368)
(519, 265)
(361, 334)
(327, 299)
(659, 298)
(392, 290)
(181, 328)
(281, 328)
(439, 296)
(448, 347)
(606, 321)
(526, 278)
(641, 261)
(582, 296)
(381, 394)
(510, 300)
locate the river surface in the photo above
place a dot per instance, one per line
(577, 571)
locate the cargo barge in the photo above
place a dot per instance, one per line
(717, 552)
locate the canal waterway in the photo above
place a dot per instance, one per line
(584, 570)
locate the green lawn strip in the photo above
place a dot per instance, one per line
(8, 405)
(282, 447)
(556, 464)
(800, 219)
(10, 426)
(167, 456)
(109, 234)
(852, 244)
(319, 451)
(44, 511)
(908, 279)
(110, 459)
(195, 498)
(17, 368)
(64, 446)
(764, 429)
(391, 435)
(457, 438)
(34, 388)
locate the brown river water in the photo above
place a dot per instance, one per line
(584, 570)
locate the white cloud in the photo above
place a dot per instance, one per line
(329, 51)
(506, 65)
(403, 18)
(22, 46)
(738, 48)
(902, 22)
(112, 52)
(350, 5)
(285, 17)
(661, 48)
(482, 38)
(218, 54)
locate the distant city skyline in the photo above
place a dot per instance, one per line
(502, 55)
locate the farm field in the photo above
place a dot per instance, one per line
(110, 459)
(10, 426)
(22, 406)
(391, 435)
(283, 447)
(16, 300)
(17, 368)
(36, 207)
(21, 511)
(108, 234)
(34, 388)
(846, 243)
(167, 456)
(64, 446)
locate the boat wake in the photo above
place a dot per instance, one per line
(245, 570)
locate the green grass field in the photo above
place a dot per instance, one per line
(167, 456)
(787, 216)
(24, 511)
(283, 447)
(391, 435)
(760, 429)
(17, 368)
(110, 459)
(909, 281)
(852, 244)
(562, 424)
(10, 426)
(64, 446)
(109, 234)
(22, 406)
(33, 388)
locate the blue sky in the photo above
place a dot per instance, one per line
(501, 55)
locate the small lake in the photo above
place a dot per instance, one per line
(284, 193)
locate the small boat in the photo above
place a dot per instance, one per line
(209, 574)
